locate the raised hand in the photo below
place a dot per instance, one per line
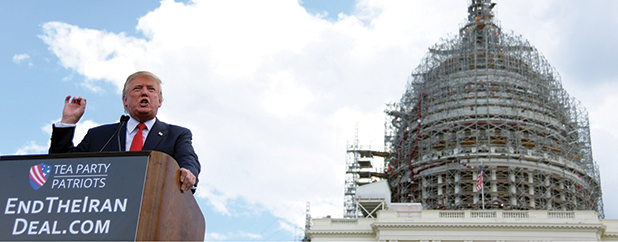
(73, 110)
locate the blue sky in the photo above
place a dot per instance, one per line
(272, 89)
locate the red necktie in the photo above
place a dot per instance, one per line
(138, 140)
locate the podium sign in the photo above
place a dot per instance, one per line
(55, 197)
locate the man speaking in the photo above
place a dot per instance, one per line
(141, 97)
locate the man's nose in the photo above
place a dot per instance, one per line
(144, 92)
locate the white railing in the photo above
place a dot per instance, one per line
(560, 215)
(515, 214)
(452, 214)
(483, 215)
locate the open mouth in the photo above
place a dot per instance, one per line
(144, 102)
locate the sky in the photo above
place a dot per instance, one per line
(272, 90)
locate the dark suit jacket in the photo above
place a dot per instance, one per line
(170, 139)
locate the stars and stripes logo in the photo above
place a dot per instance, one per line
(479, 180)
(38, 175)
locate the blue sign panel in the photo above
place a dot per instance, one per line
(71, 198)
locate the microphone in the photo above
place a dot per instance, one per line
(123, 121)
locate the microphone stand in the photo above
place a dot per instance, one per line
(123, 121)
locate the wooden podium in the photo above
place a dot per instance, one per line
(96, 196)
(168, 214)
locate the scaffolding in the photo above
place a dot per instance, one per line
(359, 171)
(485, 97)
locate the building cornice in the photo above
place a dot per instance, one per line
(379, 225)
(488, 224)
(331, 232)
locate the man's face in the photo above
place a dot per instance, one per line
(142, 98)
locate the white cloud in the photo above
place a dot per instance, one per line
(249, 235)
(19, 58)
(93, 53)
(81, 128)
(292, 228)
(283, 97)
(214, 236)
(238, 236)
(270, 92)
(32, 148)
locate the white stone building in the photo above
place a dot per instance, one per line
(467, 226)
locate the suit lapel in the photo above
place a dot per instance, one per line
(159, 130)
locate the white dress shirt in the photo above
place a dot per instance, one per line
(132, 131)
